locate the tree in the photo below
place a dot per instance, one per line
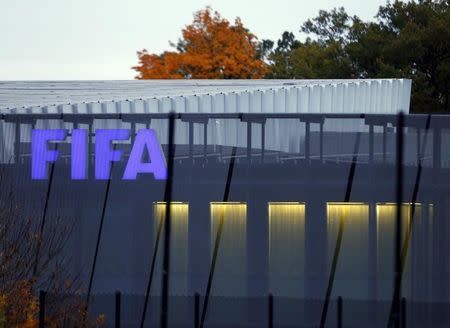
(330, 26)
(33, 259)
(407, 40)
(210, 48)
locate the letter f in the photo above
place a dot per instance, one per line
(40, 154)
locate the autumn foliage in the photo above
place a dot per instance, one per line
(210, 48)
(19, 307)
(32, 259)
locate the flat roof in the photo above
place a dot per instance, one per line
(20, 94)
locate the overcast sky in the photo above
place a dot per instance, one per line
(98, 39)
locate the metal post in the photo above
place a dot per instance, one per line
(307, 139)
(191, 141)
(249, 141)
(263, 141)
(167, 225)
(133, 132)
(384, 143)
(42, 295)
(321, 142)
(371, 144)
(270, 311)
(117, 312)
(17, 143)
(395, 313)
(197, 310)
(205, 139)
(339, 312)
(90, 145)
(403, 313)
(418, 146)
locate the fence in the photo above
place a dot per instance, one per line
(260, 137)
(124, 310)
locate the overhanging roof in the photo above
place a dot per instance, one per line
(37, 94)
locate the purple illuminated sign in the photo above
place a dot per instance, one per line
(145, 142)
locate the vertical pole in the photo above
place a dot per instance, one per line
(133, 132)
(263, 141)
(321, 142)
(403, 313)
(307, 139)
(42, 295)
(205, 140)
(197, 310)
(339, 312)
(167, 225)
(117, 312)
(270, 311)
(17, 143)
(249, 142)
(384, 143)
(395, 317)
(418, 146)
(191, 141)
(90, 152)
(371, 144)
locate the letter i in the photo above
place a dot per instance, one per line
(79, 154)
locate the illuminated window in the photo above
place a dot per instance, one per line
(386, 225)
(286, 248)
(230, 271)
(179, 213)
(351, 278)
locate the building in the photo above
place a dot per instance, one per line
(312, 182)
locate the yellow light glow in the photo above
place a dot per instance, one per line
(231, 261)
(386, 214)
(286, 248)
(228, 203)
(352, 270)
(160, 202)
(179, 213)
(337, 211)
(346, 203)
(394, 204)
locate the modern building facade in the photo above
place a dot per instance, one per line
(288, 188)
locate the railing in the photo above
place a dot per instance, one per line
(384, 123)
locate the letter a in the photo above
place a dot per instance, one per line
(157, 166)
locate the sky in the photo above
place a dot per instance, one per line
(98, 39)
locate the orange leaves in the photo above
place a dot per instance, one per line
(18, 307)
(210, 48)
